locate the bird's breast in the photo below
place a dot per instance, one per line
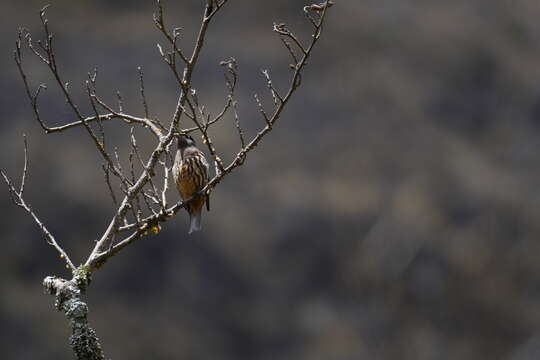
(191, 178)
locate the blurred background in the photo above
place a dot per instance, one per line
(391, 214)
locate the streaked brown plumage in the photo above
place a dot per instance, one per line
(190, 171)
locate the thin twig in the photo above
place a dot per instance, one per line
(275, 94)
(141, 89)
(106, 171)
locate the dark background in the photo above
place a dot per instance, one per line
(392, 213)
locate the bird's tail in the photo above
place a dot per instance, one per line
(194, 222)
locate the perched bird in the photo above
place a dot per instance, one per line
(190, 172)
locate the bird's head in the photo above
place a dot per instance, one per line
(184, 141)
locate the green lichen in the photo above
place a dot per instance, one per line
(82, 277)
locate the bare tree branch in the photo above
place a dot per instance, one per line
(141, 89)
(173, 39)
(106, 171)
(142, 204)
(134, 190)
(18, 199)
(242, 154)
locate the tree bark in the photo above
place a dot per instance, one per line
(83, 339)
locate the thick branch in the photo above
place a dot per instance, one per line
(83, 338)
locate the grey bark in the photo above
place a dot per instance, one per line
(83, 339)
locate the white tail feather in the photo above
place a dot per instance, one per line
(194, 223)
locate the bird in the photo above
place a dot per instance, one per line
(190, 172)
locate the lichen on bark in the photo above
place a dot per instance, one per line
(83, 339)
